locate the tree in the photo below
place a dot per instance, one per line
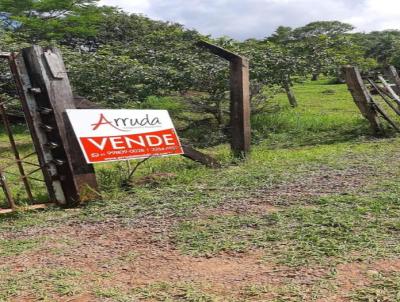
(177, 65)
(281, 36)
(320, 40)
(383, 46)
(61, 20)
(350, 52)
(327, 28)
(211, 77)
(273, 64)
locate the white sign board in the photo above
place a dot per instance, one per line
(113, 135)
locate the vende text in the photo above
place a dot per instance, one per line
(129, 146)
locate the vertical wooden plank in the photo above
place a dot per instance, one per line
(240, 107)
(362, 97)
(53, 95)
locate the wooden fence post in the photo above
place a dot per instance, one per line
(33, 120)
(362, 97)
(48, 98)
(240, 98)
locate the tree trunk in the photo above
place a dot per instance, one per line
(219, 114)
(340, 76)
(291, 96)
(315, 77)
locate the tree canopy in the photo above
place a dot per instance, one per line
(60, 20)
(121, 59)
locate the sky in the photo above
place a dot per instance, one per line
(243, 19)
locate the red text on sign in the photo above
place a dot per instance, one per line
(109, 148)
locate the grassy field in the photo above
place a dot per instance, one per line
(312, 215)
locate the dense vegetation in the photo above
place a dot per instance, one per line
(127, 60)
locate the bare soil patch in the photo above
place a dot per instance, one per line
(318, 183)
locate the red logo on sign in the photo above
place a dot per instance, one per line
(104, 121)
(126, 123)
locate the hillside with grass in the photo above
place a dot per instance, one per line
(311, 215)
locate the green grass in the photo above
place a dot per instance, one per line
(166, 292)
(17, 247)
(341, 228)
(324, 137)
(173, 292)
(325, 115)
(382, 287)
(45, 284)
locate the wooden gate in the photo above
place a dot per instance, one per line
(48, 167)
(372, 108)
(22, 177)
